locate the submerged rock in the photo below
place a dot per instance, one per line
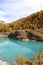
(3, 63)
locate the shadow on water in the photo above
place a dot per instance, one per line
(28, 44)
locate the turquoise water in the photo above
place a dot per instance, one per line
(10, 49)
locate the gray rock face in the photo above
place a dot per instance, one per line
(36, 35)
(18, 34)
(24, 35)
(2, 22)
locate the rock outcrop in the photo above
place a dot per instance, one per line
(27, 35)
(18, 34)
(36, 35)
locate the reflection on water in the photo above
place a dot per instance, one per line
(10, 49)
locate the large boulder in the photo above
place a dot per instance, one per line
(18, 34)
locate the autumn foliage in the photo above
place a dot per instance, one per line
(32, 22)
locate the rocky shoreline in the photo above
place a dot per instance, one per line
(27, 35)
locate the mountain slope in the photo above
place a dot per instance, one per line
(34, 21)
(31, 22)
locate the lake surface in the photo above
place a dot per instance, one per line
(10, 49)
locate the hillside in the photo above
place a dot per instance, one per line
(31, 22)
(34, 21)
